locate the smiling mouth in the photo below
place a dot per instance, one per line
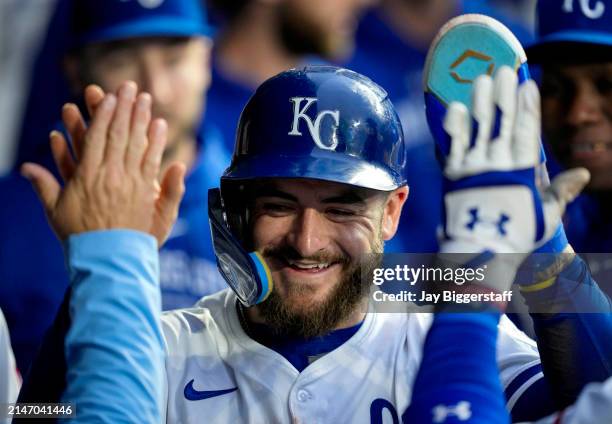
(308, 266)
(590, 147)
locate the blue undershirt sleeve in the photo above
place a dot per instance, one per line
(458, 380)
(114, 348)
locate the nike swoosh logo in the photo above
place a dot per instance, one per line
(193, 394)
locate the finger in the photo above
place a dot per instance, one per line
(456, 124)
(172, 190)
(505, 86)
(76, 127)
(46, 186)
(61, 155)
(96, 136)
(569, 184)
(157, 142)
(93, 97)
(482, 109)
(526, 143)
(563, 189)
(119, 130)
(138, 134)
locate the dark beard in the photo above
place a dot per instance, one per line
(324, 317)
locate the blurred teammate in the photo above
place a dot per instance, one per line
(392, 43)
(574, 48)
(575, 348)
(259, 39)
(315, 185)
(164, 47)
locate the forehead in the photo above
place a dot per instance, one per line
(135, 44)
(589, 70)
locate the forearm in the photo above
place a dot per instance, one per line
(573, 322)
(458, 375)
(115, 337)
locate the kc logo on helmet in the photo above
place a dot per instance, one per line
(595, 11)
(314, 128)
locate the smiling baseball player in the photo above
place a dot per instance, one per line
(316, 183)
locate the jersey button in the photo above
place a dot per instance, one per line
(303, 395)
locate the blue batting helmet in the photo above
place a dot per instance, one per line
(563, 23)
(320, 122)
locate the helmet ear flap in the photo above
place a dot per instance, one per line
(245, 272)
(234, 198)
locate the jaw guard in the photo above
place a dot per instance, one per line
(246, 273)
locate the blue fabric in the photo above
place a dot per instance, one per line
(536, 401)
(33, 277)
(396, 65)
(575, 341)
(114, 277)
(224, 102)
(584, 22)
(300, 352)
(588, 225)
(95, 21)
(459, 365)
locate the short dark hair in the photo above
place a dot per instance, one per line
(227, 10)
(566, 53)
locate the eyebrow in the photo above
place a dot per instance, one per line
(346, 198)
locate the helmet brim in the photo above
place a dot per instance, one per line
(326, 166)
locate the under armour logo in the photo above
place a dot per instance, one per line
(147, 4)
(475, 218)
(594, 12)
(314, 127)
(462, 411)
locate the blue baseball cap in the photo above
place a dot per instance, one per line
(566, 23)
(108, 20)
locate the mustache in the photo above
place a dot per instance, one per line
(284, 252)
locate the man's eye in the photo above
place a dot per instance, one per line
(173, 58)
(552, 87)
(341, 212)
(604, 85)
(118, 59)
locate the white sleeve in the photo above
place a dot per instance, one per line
(9, 387)
(518, 359)
(593, 406)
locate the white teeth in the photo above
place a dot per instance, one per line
(308, 266)
(590, 147)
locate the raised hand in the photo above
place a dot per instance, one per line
(113, 181)
(492, 202)
(491, 197)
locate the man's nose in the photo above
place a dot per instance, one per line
(308, 235)
(156, 82)
(585, 107)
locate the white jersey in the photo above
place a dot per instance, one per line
(593, 406)
(215, 373)
(9, 385)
